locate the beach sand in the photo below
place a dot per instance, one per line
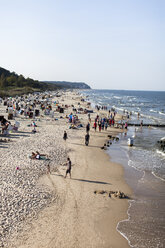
(59, 212)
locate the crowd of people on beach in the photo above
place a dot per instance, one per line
(35, 159)
(103, 123)
(30, 107)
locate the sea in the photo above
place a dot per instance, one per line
(144, 162)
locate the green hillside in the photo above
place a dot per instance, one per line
(13, 84)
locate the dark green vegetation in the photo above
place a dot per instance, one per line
(12, 84)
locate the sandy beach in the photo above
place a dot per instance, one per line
(47, 210)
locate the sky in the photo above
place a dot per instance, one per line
(109, 44)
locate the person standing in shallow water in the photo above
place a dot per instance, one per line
(69, 166)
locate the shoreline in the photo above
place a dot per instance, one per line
(147, 196)
(96, 216)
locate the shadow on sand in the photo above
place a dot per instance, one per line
(23, 132)
(90, 181)
(84, 145)
(13, 135)
(83, 180)
(3, 146)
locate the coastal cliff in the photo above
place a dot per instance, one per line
(70, 85)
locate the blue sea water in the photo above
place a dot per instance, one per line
(150, 104)
(144, 163)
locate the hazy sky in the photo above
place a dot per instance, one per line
(110, 44)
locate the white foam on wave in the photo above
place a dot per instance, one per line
(126, 220)
(160, 152)
(141, 180)
(161, 113)
(151, 117)
(117, 97)
(162, 179)
(151, 110)
(120, 109)
(130, 163)
(135, 112)
(107, 97)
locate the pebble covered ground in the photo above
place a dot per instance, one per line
(21, 197)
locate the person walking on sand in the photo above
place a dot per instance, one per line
(106, 125)
(48, 168)
(89, 116)
(65, 135)
(95, 125)
(87, 127)
(87, 136)
(99, 126)
(69, 166)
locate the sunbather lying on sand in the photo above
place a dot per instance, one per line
(37, 155)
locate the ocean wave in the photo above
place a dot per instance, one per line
(126, 220)
(161, 113)
(137, 165)
(117, 97)
(160, 152)
(121, 109)
(131, 164)
(134, 112)
(141, 180)
(153, 173)
(151, 110)
(156, 119)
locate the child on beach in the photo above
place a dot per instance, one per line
(34, 130)
(69, 165)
